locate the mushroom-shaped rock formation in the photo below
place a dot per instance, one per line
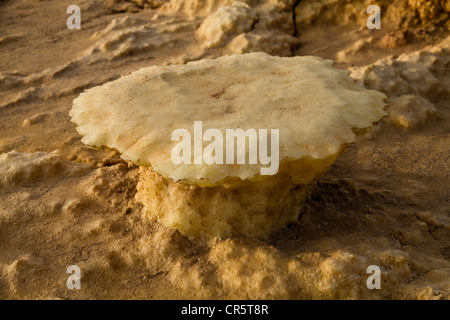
(229, 145)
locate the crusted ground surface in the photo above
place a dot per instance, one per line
(384, 202)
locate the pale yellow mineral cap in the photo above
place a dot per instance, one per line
(316, 108)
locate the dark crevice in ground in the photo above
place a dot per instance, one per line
(295, 33)
(294, 17)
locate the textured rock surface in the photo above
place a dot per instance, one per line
(227, 22)
(383, 202)
(413, 83)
